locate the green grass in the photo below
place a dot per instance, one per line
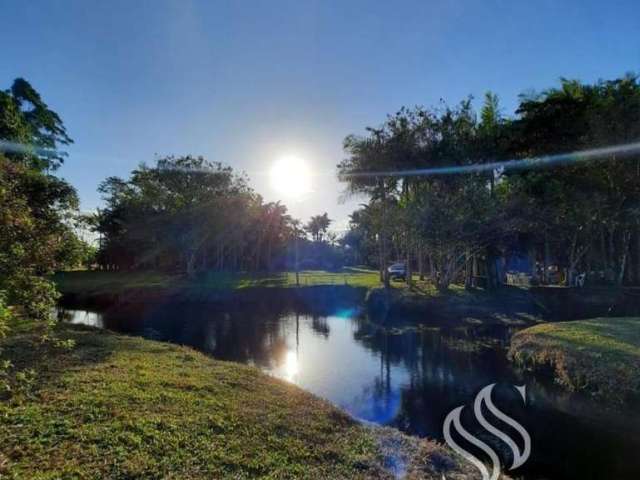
(114, 282)
(600, 355)
(101, 282)
(121, 407)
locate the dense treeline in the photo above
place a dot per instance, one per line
(188, 214)
(578, 216)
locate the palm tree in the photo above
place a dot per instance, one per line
(296, 231)
(318, 226)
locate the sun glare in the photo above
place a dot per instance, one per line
(291, 365)
(291, 177)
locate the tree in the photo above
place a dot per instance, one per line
(35, 234)
(27, 120)
(190, 215)
(442, 215)
(585, 211)
(318, 226)
(295, 232)
(577, 215)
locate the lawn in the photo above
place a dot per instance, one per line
(96, 282)
(600, 355)
(122, 407)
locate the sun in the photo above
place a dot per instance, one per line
(291, 177)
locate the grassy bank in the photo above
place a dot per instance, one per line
(425, 304)
(102, 282)
(124, 407)
(99, 282)
(600, 356)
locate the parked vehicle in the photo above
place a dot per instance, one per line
(397, 271)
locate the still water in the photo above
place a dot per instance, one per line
(404, 376)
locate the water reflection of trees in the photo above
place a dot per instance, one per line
(255, 333)
(320, 325)
(445, 368)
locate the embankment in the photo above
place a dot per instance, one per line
(125, 407)
(599, 356)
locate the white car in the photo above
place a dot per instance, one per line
(398, 271)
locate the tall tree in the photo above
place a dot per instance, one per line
(318, 226)
(190, 215)
(36, 236)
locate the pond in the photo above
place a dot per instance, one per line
(405, 376)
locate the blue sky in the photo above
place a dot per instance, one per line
(245, 82)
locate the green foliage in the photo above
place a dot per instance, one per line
(35, 238)
(584, 216)
(446, 215)
(318, 226)
(188, 214)
(13, 125)
(27, 120)
(75, 252)
(5, 316)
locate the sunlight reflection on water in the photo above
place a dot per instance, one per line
(291, 366)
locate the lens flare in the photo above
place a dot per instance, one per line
(21, 148)
(605, 153)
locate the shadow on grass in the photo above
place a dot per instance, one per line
(27, 351)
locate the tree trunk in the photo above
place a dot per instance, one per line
(492, 271)
(383, 264)
(381, 258)
(547, 259)
(297, 264)
(626, 240)
(432, 268)
(638, 256)
(442, 277)
(269, 255)
(612, 255)
(603, 247)
(572, 260)
(474, 270)
(203, 262)
(258, 247)
(468, 270)
(191, 264)
(409, 272)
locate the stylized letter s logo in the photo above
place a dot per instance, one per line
(519, 457)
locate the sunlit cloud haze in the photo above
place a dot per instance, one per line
(246, 83)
